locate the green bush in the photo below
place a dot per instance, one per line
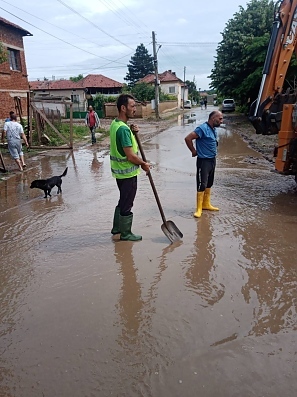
(79, 133)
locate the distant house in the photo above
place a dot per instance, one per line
(13, 72)
(169, 84)
(54, 91)
(99, 84)
(81, 92)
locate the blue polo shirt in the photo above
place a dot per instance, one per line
(206, 144)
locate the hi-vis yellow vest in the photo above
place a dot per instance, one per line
(121, 168)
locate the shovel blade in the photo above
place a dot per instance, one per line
(171, 231)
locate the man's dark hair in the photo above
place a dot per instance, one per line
(123, 100)
(212, 114)
(13, 117)
(11, 113)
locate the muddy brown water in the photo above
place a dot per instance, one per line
(84, 314)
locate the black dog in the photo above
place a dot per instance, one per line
(47, 184)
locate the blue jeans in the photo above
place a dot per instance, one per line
(92, 129)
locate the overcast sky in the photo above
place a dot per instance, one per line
(100, 36)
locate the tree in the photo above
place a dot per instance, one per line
(3, 53)
(140, 65)
(192, 88)
(143, 92)
(241, 54)
(76, 78)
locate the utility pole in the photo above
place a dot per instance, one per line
(156, 77)
(184, 87)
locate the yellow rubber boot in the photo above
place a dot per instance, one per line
(198, 212)
(206, 201)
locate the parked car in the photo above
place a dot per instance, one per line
(188, 104)
(228, 105)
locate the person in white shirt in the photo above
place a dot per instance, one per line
(14, 133)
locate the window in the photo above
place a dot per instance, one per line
(74, 98)
(172, 90)
(14, 59)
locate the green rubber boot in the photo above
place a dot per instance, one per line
(116, 221)
(125, 229)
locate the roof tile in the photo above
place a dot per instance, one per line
(99, 81)
(165, 77)
(6, 22)
(90, 81)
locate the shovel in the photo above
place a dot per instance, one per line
(168, 227)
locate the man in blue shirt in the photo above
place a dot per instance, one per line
(205, 137)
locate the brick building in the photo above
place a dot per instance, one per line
(13, 72)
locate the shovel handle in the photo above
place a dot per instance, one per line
(151, 179)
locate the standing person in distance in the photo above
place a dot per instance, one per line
(205, 137)
(14, 133)
(205, 103)
(92, 121)
(125, 166)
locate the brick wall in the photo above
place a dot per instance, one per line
(12, 82)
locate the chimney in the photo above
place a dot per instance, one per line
(173, 73)
(169, 71)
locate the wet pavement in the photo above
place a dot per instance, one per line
(84, 314)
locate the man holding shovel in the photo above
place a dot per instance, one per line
(125, 166)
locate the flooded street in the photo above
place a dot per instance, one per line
(86, 315)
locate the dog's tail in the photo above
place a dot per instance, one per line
(64, 173)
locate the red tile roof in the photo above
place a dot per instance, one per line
(90, 81)
(54, 85)
(166, 77)
(6, 22)
(99, 81)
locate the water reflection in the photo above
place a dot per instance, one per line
(96, 164)
(130, 303)
(271, 285)
(201, 273)
(185, 119)
(71, 155)
(165, 259)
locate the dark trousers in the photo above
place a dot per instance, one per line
(205, 173)
(92, 130)
(128, 189)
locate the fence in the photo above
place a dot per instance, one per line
(82, 114)
(142, 111)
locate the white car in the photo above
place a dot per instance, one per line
(188, 104)
(228, 105)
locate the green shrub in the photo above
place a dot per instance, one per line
(79, 133)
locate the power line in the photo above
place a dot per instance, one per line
(93, 24)
(182, 44)
(58, 38)
(143, 24)
(110, 5)
(55, 26)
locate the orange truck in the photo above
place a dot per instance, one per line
(275, 109)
